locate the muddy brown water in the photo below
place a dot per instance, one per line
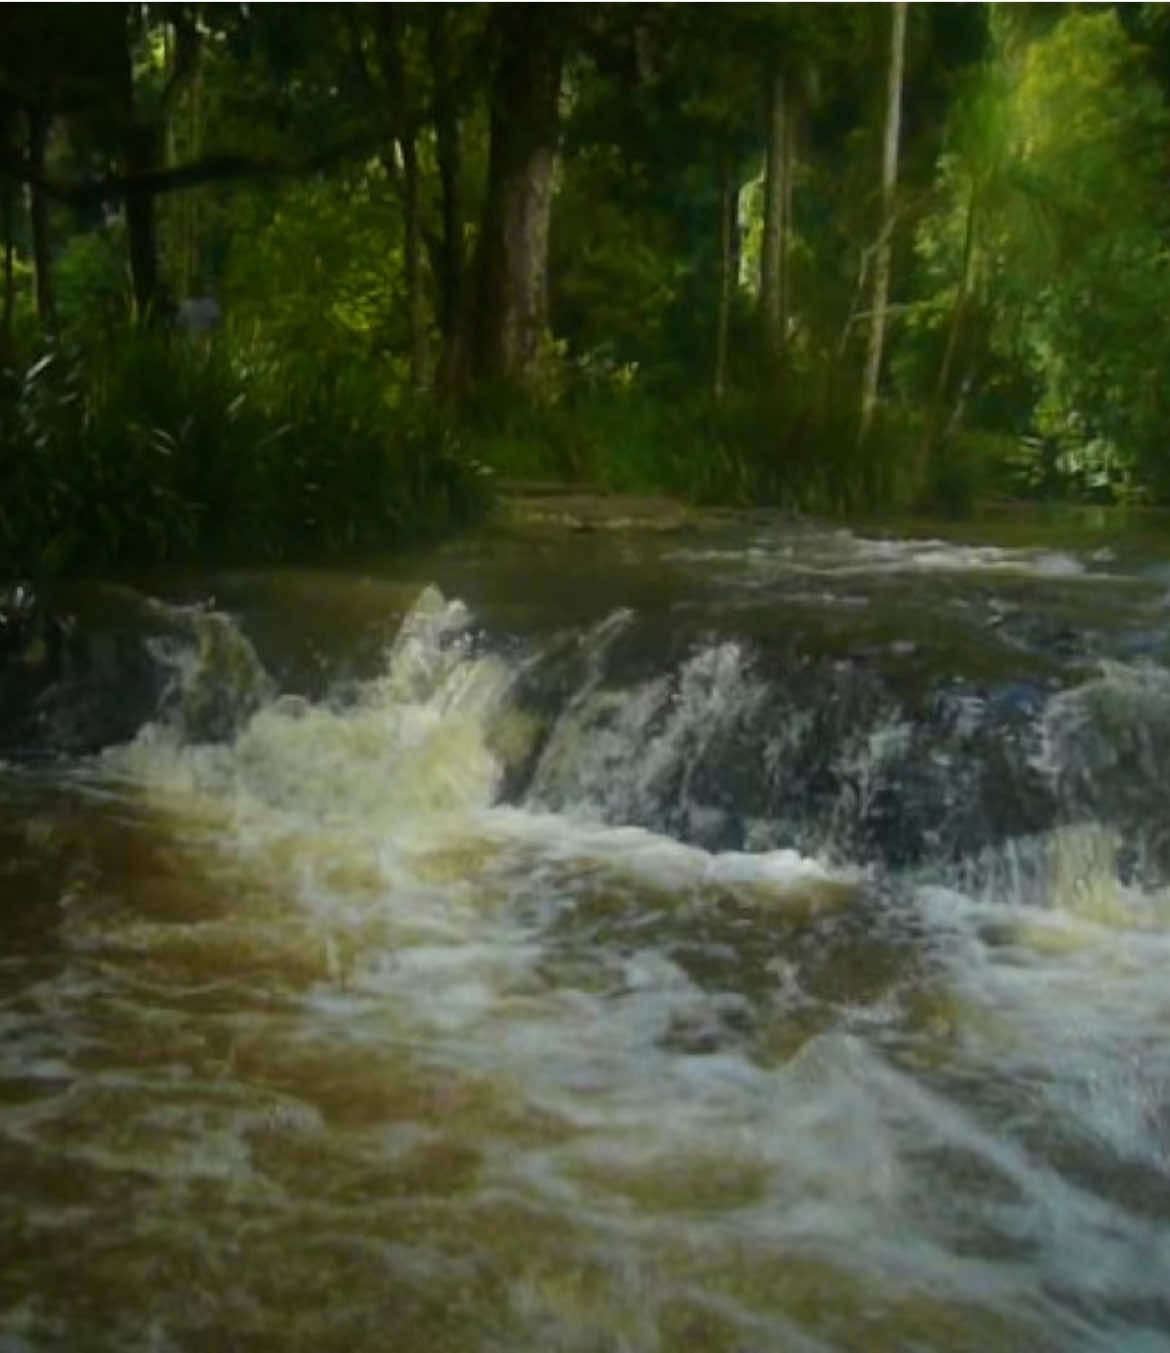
(529, 968)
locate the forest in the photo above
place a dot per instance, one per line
(282, 281)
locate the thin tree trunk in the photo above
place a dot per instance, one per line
(7, 212)
(512, 302)
(144, 149)
(402, 166)
(7, 198)
(140, 155)
(413, 259)
(189, 281)
(38, 139)
(954, 330)
(773, 318)
(727, 222)
(958, 412)
(186, 79)
(788, 164)
(450, 270)
(881, 268)
(142, 237)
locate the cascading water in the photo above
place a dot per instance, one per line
(777, 967)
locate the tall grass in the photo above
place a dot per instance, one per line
(152, 448)
(792, 450)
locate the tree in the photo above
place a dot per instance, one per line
(882, 251)
(512, 260)
(40, 121)
(777, 215)
(981, 184)
(33, 93)
(1046, 252)
(8, 119)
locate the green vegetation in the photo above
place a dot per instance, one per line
(151, 450)
(833, 258)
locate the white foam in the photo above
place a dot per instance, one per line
(1069, 1003)
(845, 554)
(412, 965)
(657, 861)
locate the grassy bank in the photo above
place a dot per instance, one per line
(799, 451)
(153, 448)
(150, 447)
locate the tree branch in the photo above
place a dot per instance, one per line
(208, 169)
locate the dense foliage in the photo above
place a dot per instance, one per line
(833, 257)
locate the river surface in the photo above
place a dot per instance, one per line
(749, 938)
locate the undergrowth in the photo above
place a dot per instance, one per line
(152, 448)
(746, 449)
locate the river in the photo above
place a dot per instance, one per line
(750, 937)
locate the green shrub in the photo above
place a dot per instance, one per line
(92, 281)
(749, 448)
(155, 448)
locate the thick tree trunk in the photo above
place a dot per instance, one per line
(512, 300)
(881, 267)
(728, 204)
(416, 308)
(773, 301)
(38, 139)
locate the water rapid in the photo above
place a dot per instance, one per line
(754, 942)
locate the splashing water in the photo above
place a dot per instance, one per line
(435, 1013)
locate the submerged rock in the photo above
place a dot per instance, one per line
(85, 667)
(735, 744)
(68, 687)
